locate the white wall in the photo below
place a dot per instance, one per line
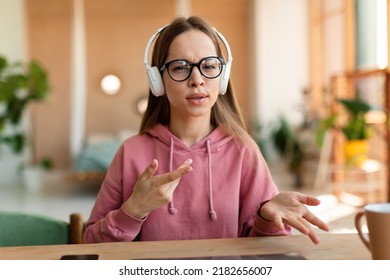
(283, 58)
(12, 45)
(12, 29)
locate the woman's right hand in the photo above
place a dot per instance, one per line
(152, 192)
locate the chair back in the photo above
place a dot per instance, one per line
(26, 229)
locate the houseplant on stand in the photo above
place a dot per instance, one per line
(351, 122)
(20, 85)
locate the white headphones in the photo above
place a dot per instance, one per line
(154, 77)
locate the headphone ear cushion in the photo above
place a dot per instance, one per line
(155, 81)
(224, 81)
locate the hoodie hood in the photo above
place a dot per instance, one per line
(209, 144)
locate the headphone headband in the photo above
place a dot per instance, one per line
(146, 61)
(155, 81)
(226, 44)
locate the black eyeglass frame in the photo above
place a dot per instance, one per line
(192, 65)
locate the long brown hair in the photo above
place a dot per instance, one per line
(225, 113)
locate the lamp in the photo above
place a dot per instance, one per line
(110, 84)
(142, 104)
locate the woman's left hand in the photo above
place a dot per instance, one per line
(290, 208)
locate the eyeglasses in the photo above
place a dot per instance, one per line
(180, 69)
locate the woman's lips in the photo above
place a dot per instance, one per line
(197, 98)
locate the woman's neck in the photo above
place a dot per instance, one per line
(191, 131)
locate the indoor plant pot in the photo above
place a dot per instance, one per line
(21, 84)
(356, 151)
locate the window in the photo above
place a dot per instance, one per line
(371, 30)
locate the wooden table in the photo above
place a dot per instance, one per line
(331, 247)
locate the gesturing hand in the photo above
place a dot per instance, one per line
(290, 208)
(151, 192)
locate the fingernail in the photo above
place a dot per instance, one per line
(189, 161)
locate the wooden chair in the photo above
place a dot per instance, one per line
(26, 229)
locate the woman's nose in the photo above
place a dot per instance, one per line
(196, 78)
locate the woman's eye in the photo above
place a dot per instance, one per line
(209, 66)
(180, 67)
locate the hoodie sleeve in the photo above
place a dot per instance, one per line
(108, 220)
(257, 187)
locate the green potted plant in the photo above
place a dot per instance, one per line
(21, 84)
(351, 122)
(289, 146)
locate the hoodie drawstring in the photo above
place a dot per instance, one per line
(172, 208)
(212, 213)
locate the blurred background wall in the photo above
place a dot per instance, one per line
(282, 51)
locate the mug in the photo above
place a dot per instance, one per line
(378, 224)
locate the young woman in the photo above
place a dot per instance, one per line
(193, 171)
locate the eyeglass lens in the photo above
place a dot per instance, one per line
(209, 67)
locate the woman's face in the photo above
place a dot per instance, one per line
(195, 96)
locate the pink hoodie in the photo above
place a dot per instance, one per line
(219, 198)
